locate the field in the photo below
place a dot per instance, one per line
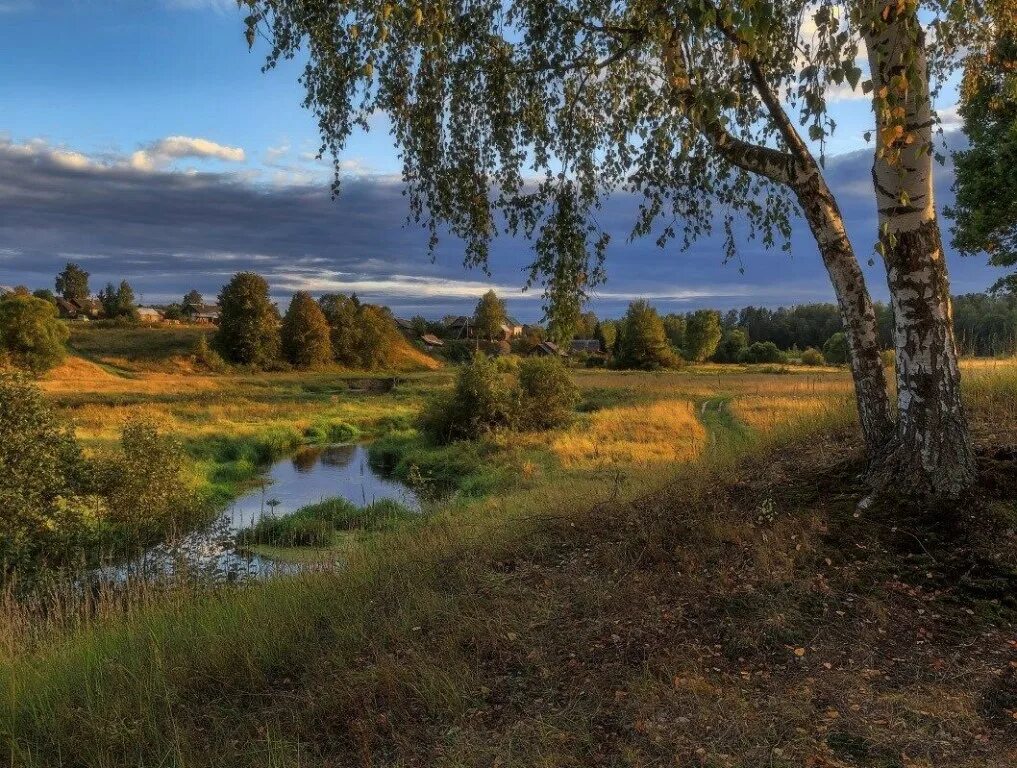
(678, 577)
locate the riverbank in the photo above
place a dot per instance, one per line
(726, 611)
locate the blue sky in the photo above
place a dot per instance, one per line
(141, 138)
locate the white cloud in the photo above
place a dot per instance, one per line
(162, 152)
(272, 154)
(950, 119)
(39, 148)
(425, 287)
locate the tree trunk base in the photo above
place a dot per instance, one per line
(901, 472)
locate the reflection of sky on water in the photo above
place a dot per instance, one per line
(310, 476)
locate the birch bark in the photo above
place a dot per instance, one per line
(930, 452)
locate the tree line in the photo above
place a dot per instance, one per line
(335, 328)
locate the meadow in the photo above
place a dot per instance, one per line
(677, 576)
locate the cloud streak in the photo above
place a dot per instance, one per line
(168, 231)
(161, 153)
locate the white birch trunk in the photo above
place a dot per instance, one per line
(931, 452)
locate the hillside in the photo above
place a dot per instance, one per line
(168, 348)
(737, 611)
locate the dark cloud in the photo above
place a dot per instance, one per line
(168, 232)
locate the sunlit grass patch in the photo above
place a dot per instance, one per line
(663, 431)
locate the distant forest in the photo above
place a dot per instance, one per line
(986, 325)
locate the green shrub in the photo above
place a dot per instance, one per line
(480, 402)
(763, 352)
(547, 394)
(457, 351)
(143, 484)
(207, 357)
(43, 480)
(31, 336)
(508, 363)
(436, 470)
(812, 356)
(836, 349)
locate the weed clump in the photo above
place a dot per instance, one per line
(317, 525)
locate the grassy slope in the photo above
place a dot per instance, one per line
(741, 616)
(167, 348)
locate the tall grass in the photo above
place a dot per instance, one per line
(202, 679)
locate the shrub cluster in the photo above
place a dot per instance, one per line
(59, 505)
(31, 336)
(540, 395)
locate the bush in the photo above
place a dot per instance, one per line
(464, 467)
(508, 363)
(836, 350)
(144, 486)
(207, 357)
(44, 509)
(458, 351)
(547, 394)
(812, 356)
(31, 335)
(763, 352)
(480, 402)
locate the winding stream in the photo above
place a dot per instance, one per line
(311, 475)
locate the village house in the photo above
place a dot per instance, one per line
(464, 327)
(546, 349)
(79, 309)
(206, 314)
(585, 346)
(149, 315)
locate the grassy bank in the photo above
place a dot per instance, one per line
(613, 606)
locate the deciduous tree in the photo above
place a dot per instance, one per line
(702, 334)
(248, 321)
(490, 315)
(986, 180)
(72, 283)
(690, 106)
(306, 339)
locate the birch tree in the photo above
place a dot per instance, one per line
(521, 117)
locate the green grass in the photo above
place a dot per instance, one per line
(641, 610)
(320, 525)
(135, 344)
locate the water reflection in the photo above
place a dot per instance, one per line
(310, 476)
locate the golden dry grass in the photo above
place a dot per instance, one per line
(663, 431)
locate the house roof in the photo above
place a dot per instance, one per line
(548, 347)
(431, 340)
(402, 322)
(585, 345)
